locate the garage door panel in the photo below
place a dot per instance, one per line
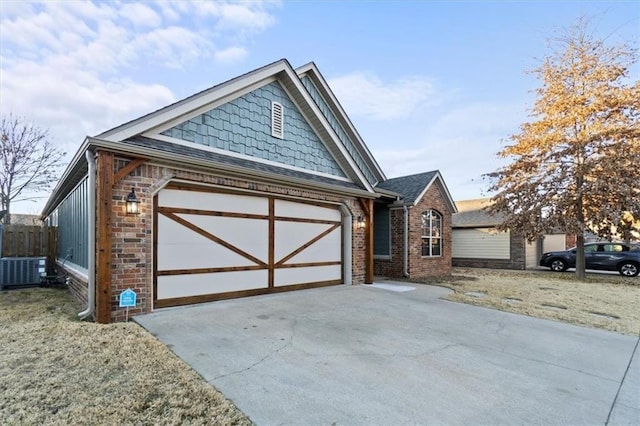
(481, 243)
(294, 235)
(210, 255)
(179, 247)
(172, 232)
(306, 211)
(329, 248)
(311, 274)
(249, 235)
(175, 286)
(196, 200)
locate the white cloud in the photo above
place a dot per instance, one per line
(367, 95)
(140, 15)
(460, 143)
(67, 60)
(251, 15)
(79, 68)
(231, 55)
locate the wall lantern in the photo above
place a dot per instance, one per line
(132, 203)
(360, 223)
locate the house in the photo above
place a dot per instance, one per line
(477, 242)
(258, 185)
(412, 226)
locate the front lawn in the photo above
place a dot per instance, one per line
(55, 369)
(604, 301)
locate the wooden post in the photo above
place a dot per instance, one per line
(368, 278)
(367, 208)
(104, 208)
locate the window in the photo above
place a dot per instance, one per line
(277, 120)
(431, 233)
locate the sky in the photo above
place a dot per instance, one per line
(428, 84)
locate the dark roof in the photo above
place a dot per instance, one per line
(471, 214)
(410, 187)
(223, 160)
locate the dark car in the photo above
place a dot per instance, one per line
(621, 257)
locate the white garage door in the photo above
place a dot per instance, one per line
(214, 245)
(480, 243)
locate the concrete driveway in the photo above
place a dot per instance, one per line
(370, 355)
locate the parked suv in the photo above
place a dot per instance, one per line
(621, 257)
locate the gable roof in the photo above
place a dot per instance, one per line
(311, 71)
(152, 124)
(413, 187)
(471, 214)
(142, 137)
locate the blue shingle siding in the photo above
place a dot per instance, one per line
(335, 125)
(71, 217)
(244, 126)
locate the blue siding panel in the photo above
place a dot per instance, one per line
(71, 217)
(381, 230)
(244, 126)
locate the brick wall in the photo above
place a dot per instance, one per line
(418, 265)
(422, 266)
(392, 267)
(132, 236)
(77, 285)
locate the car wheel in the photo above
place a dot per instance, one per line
(558, 265)
(629, 269)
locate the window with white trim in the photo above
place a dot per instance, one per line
(277, 120)
(431, 233)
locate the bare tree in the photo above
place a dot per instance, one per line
(29, 162)
(574, 167)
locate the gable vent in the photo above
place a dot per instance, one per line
(277, 120)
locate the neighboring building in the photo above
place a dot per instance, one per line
(24, 219)
(478, 243)
(257, 185)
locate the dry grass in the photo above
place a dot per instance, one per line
(56, 370)
(604, 301)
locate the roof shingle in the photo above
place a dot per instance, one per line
(410, 187)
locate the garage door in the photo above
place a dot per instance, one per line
(480, 243)
(214, 245)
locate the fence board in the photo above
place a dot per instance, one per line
(29, 241)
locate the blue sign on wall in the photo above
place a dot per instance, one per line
(128, 299)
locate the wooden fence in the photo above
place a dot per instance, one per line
(29, 241)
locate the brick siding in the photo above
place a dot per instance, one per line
(418, 265)
(132, 236)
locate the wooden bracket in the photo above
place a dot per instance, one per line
(130, 167)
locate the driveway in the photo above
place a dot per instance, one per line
(373, 355)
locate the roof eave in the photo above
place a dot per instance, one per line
(448, 198)
(213, 167)
(313, 72)
(68, 180)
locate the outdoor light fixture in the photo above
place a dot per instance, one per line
(132, 203)
(360, 223)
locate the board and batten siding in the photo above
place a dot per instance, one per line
(381, 231)
(71, 219)
(480, 243)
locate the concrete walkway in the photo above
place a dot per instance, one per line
(370, 355)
